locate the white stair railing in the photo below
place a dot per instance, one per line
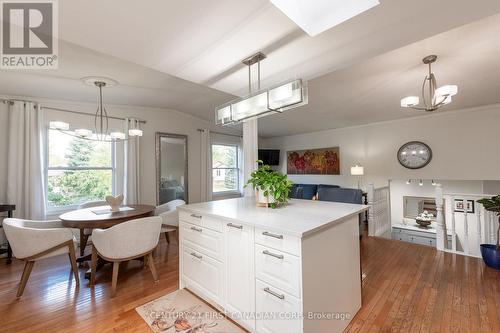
(470, 226)
(379, 222)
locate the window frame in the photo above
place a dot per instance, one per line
(57, 210)
(237, 168)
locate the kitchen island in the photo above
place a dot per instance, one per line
(291, 269)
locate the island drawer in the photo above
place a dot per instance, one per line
(204, 273)
(278, 241)
(285, 307)
(201, 220)
(279, 269)
(203, 239)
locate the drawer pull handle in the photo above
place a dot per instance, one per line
(265, 233)
(279, 256)
(196, 216)
(196, 255)
(275, 294)
(196, 229)
(235, 226)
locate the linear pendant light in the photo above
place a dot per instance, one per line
(276, 99)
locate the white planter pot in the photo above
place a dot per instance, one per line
(262, 199)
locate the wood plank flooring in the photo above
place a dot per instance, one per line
(408, 288)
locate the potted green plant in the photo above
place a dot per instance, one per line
(491, 252)
(271, 187)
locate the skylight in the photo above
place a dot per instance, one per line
(316, 16)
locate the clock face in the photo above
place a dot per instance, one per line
(414, 155)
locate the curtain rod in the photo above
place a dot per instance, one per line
(11, 101)
(235, 135)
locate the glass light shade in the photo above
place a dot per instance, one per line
(117, 135)
(448, 90)
(410, 101)
(83, 132)
(59, 125)
(223, 115)
(357, 170)
(135, 132)
(250, 107)
(285, 95)
(316, 16)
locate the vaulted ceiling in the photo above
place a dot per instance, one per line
(186, 55)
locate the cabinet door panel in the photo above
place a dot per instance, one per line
(276, 302)
(240, 273)
(205, 273)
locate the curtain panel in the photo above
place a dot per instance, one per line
(25, 160)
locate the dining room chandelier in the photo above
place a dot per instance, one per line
(262, 102)
(101, 119)
(432, 97)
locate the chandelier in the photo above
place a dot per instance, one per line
(101, 119)
(262, 102)
(432, 97)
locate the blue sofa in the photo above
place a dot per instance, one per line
(307, 191)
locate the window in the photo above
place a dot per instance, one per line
(225, 171)
(77, 171)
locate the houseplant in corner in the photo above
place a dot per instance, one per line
(490, 252)
(271, 187)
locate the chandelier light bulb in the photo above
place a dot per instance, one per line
(83, 133)
(410, 101)
(448, 90)
(59, 125)
(117, 135)
(421, 183)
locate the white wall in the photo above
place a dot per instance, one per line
(464, 144)
(157, 120)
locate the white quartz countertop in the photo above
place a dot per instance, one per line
(298, 218)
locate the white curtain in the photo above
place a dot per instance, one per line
(25, 162)
(131, 158)
(206, 166)
(250, 152)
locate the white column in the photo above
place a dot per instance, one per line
(250, 152)
(372, 228)
(441, 237)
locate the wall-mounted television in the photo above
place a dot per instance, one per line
(270, 156)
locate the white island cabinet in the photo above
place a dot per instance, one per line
(291, 269)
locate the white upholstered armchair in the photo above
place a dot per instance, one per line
(170, 217)
(125, 241)
(34, 240)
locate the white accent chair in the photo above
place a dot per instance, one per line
(86, 233)
(126, 241)
(34, 240)
(170, 217)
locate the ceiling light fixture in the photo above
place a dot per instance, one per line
(101, 119)
(262, 102)
(433, 97)
(316, 16)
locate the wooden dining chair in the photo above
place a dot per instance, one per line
(35, 240)
(126, 241)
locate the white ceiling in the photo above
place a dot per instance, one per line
(371, 91)
(204, 41)
(186, 55)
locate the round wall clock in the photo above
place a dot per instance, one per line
(414, 155)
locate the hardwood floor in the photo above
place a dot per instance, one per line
(408, 288)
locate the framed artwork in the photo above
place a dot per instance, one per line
(459, 206)
(323, 161)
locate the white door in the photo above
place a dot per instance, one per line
(240, 277)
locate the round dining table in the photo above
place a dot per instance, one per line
(101, 217)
